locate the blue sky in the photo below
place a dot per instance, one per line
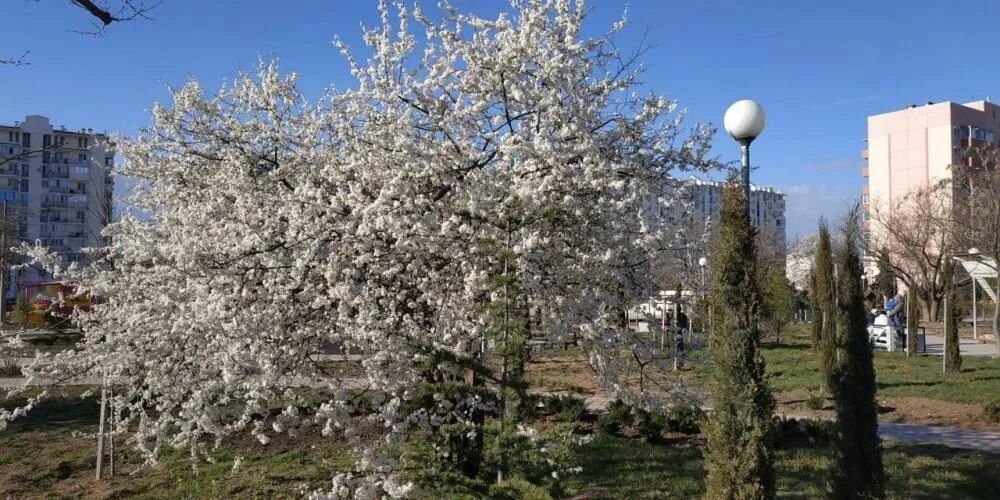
(818, 68)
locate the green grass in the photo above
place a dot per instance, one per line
(48, 454)
(623, 468)
(793, 365)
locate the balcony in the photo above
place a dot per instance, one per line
(79, 172)
(55, 174)
(864, 154)
(864, 171)
(864, 190)
(78, 200)
(59, 189)
(54, 203)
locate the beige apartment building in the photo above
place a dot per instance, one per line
(915, 146)
(57, 185)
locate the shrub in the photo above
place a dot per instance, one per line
(792, 433)
(650, 424)
(685, 419)
(991, 412)
(567, 409)
(815, 402)
(618, 417)
(518, 489)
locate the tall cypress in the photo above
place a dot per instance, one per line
(815, 311)
(824, 290)
(952, 355)
(858, 471)
(739, 456)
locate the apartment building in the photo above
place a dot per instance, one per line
(57, 185)
(913, 147)
(701, 202)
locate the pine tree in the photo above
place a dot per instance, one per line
(739, 456)
(912, 323)
(858, 471)
(952, 355)
(824, 290)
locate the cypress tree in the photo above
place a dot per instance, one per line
(823, 270)
(952, 355)
(815, 311)
(858, 471)
(912, 323)
(739, 456)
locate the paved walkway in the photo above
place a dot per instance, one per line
(947, 436)
(968, 347)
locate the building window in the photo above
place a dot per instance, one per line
(26, 140)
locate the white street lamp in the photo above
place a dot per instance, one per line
(744, 120)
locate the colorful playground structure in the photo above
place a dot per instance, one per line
(41, 296)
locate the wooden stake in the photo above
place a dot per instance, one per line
(100, 431)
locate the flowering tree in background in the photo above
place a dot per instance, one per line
(487, 185)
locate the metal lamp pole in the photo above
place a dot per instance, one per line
(702, 262)
(975, 316)
(744, 120)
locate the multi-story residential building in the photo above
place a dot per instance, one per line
(701, 202)
(57, 183)
(767, 205)
(914, 147)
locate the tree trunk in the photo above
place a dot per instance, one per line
(996, 326)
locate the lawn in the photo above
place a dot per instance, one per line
(50, 455)
(792, 365)
(624, 468)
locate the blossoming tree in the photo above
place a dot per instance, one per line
(486, 182)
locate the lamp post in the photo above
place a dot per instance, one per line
(975, 318)
(744, 120)
(702, 262)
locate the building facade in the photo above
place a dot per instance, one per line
(700, 204)
(914, 147)
(56, 187)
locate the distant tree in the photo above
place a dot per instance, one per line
(739, 456)
(916, 233)
(780, 299)
(815, 311)
(976, 218)
(952, 356)
(824, 272)
(858, 472)
(886, 279)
